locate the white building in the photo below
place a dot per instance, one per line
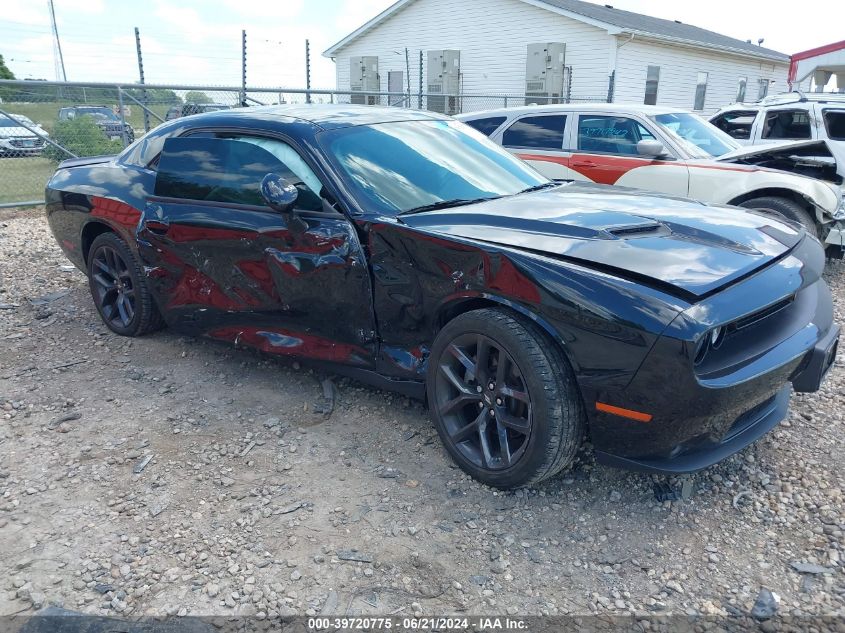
(580, 49)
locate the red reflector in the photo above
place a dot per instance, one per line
(625, 413)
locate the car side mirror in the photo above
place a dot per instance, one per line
(279, 194)
(648, 147)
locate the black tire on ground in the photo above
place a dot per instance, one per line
(783, 208)
(535, 400)
(119, 289)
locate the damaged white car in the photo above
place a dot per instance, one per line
(817, 118)
(673, 152)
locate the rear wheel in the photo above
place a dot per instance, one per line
(783, 208)
(504, 399)
(119, 290)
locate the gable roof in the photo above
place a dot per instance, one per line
(614, 21)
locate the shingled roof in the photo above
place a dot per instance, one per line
(615, 21)
(630, 22)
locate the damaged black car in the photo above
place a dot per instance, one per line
(408, 251)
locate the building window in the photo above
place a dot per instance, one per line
(651, 81)
(740, 92)
(763, 89)
(700, 91)
(540, 132)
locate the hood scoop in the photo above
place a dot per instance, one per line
(641, 229)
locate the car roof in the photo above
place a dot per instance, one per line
(324, 116)
(622, 108)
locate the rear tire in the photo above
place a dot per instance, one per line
(537, 421)
(119, 289)
(783, 208)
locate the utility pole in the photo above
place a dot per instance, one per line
(307, 71)
(419, 101)
(141, 73)
(408, 76)
(58, 61)
(243, 68)
(61, 64)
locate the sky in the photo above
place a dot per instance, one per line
(199, 42)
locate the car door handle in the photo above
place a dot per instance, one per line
(583, 163)
(160, 227)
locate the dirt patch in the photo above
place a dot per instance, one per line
(173, 475)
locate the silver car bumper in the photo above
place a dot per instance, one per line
(835, 240)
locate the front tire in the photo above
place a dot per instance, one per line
(504, 399)
(783, 208)
(119, 289)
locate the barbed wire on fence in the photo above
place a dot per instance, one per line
(45, 122)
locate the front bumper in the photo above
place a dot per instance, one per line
(834, 242)
(747, 429)
(701, 414)
(8, 148)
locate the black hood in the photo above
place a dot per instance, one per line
(689, 246)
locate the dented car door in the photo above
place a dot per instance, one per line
(225, 265)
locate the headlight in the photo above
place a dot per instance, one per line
(709, 340)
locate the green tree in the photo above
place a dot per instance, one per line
(196, 96)
(5, 73)
(82, 137)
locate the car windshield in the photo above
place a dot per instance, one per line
(398, 167)
(7, 122)
(97, 113)
(698, 137)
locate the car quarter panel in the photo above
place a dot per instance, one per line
(99, 192)
(604, 324)
(724, 183)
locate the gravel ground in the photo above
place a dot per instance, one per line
(169, 475)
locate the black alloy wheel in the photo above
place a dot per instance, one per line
(113, 288)
(118, 288)
(483, 401)
(503, 398)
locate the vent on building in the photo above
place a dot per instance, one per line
(444, 78)
(364, 79)
(545, 70)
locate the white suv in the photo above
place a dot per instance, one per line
(670, 151)
(793, 116)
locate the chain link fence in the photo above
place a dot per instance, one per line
(43, 123)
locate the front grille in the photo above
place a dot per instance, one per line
(758, 316)
(24, 143)
(749, 418)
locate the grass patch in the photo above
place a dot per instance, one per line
(23, 179)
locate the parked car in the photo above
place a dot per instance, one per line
(407, 250)
(104, 117)
(17, 139)
(188, 109)
(792, 116)
(665, 150)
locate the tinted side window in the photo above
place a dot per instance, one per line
(540, 132)
(834, 121)
(486, 126)
(212, 169)
(787, 124)
(610, 134)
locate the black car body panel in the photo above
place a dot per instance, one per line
(628, 284)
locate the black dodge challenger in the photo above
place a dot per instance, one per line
(408, 251)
